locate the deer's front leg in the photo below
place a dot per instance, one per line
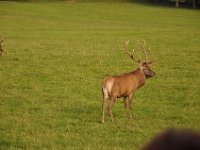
(130, 105)
(125, 103)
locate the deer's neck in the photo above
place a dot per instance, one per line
(140, 77)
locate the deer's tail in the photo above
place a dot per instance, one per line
(107, 88)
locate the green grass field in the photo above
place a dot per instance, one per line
(57, 54)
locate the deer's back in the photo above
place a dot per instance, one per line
(120, 86)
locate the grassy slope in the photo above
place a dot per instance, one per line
(57, 55)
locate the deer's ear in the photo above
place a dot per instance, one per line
(150, 64)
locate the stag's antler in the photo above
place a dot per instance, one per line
(2, 39)
(130, 55)
(150, 54)
(146, 51)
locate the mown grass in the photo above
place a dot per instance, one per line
(57, 54)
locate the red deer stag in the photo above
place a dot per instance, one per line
(1, 49)
(125, 85)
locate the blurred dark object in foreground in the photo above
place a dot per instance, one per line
(174, 139)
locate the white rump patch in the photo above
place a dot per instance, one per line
(109, 86)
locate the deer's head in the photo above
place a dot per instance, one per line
(146, 68)
(145, 65)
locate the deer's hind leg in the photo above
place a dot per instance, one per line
(112, 102)
(130, 98)
(104, 102)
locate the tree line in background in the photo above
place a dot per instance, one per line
(177, 3)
